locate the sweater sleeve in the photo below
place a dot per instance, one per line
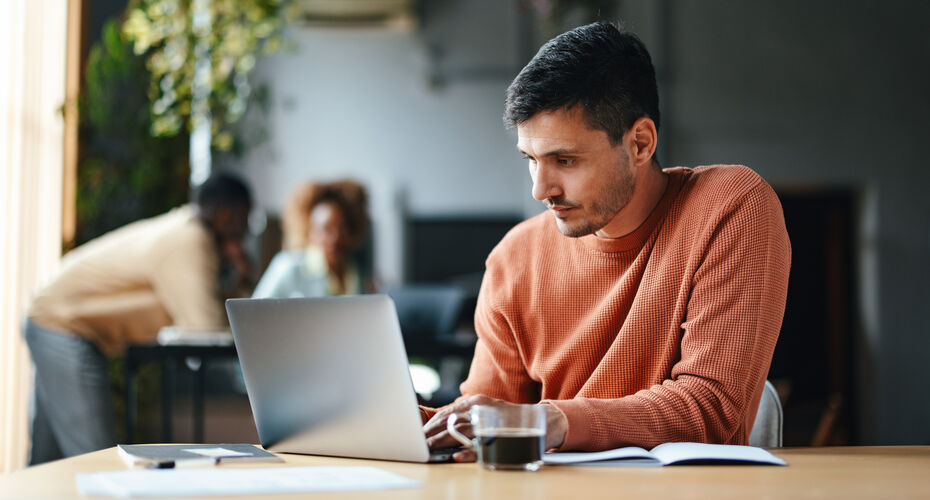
(497, 369)
(186, 280)
(733, 317)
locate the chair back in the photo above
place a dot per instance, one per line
(427, 311)
(767, 429)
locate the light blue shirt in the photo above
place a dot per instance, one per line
(303, 273)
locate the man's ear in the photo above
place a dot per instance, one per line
(641, 140)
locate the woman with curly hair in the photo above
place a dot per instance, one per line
(323, 224)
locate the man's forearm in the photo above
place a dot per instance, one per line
(683, 410)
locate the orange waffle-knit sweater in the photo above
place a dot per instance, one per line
(665, 334)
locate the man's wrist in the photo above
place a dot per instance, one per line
(556, 426)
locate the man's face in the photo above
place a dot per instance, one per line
(231, 223)
(328, 230)
(581, 177)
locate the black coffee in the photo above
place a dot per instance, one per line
(509, 447)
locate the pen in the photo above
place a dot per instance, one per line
(180, 464)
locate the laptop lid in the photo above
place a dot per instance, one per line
(328, 376)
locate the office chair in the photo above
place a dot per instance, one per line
(767, 429)
(427, 311)
(428, 316)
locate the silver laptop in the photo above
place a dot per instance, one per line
(329, 376)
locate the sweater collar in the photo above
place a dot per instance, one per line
(636, 239)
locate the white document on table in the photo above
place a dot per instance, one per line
(171, 335)
(259, 481)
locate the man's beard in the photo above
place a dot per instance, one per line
(615, 194)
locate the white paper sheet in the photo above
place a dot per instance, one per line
(171, 335)
(216, 452)
(190, 482)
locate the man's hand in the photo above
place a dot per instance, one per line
(243, 282)
(437, 435)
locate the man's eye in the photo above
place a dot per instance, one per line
(566, 161)
(528, 158)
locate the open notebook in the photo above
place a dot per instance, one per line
(169, 456)
(670, 454)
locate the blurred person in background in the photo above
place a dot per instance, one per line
(119, 289)
(323, 223)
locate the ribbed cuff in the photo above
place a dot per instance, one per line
(577, 433)
(426, 413)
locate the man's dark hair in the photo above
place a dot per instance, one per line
(223, 190)
(608, 72)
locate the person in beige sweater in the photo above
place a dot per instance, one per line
(121, 289)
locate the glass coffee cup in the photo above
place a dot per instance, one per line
(506, 437)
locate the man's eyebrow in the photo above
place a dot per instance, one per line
(554, 152)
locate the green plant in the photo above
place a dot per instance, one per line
(124, 173)
(229, 35)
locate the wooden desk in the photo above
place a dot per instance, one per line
(849, 472)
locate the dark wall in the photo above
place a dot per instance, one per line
(821, 95)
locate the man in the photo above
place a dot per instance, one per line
(118, 289)
(645, 306)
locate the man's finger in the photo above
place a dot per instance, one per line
(464, 456)
(444, 439)
(437, 424)
(460, 405)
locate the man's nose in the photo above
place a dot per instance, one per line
(544, 185)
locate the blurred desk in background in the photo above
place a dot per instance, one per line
(194, 350)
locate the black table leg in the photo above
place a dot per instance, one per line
(194, 357)
(167, 398)
(130, 369)
(198, 395)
